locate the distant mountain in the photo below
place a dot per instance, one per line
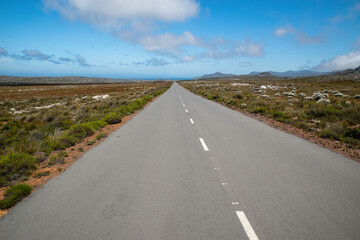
(264, 75)
(215, 75)
(354, 72)
(301, 73)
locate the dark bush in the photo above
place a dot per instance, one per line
(15, 165)
(14, 194)
(112, 118)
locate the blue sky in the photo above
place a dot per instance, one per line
(176, 38)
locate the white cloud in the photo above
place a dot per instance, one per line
(341, 62)
(301, 37)
(222, 49)
(245, 64)
(110, 11)
(281, 31)
(351, 14)
(187, 58)
(168, 42)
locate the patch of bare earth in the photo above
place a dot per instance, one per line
(74, 153)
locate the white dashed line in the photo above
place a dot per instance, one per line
(186, 110)
(216, 168)
(235, 203)
(192, 122)
(224, 183)
(247, 226)
(183, 105)
(206, 149)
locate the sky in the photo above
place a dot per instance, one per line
(176, 38)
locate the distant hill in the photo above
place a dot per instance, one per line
(264, 75)
(301, 73)
(215, 75)
(21, 81)
(355, 72)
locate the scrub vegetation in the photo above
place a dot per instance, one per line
(38, 123)
(328, 108)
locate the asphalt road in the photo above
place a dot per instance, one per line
(155, 179)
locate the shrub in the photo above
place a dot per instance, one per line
(14, 194)
(82, 130)
(101, 135)
(15, 165)
(328, 133)
(259, 110)
(89, 143)
(113, 118)
(353, 132)
(238, 96)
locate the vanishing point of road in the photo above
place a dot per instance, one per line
(189, 168)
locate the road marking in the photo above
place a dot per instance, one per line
(216, 168)
(186, 110)
(247, 226)
(224, 183)
(235, 203)
(192, 122)
(206, 149)
(183, 105)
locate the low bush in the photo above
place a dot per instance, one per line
(101, 135)
(113, 118)
(14, 194)
(14, 166)
(259, 110)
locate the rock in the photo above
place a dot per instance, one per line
(277, 95)
(308, 98)
(291, 94)
(323, 100)
(244, 105)
(338, 94)
(357, 96)
(264, 96)
(319, 95)
(347, 103)
(302, 94)
(345, 96)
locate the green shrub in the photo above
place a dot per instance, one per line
(328, 133)
(259, 110)
(113, 118)
(15, 165)
(101, 135)
(238, 96)
(14, 194)
(353, 132)
(82, 130)
(89, 143)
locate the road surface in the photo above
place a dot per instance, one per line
(189, 168)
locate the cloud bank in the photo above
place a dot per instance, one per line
(341, 62)
(33, 54)
(134, 21)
